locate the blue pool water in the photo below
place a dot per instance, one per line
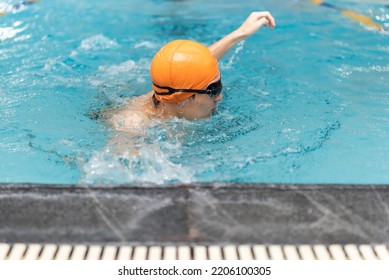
(307, 102)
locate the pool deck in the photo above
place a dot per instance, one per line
(215, 213)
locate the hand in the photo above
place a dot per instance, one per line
(255, 21)
(251, 25)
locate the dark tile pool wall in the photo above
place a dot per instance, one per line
(199, 213)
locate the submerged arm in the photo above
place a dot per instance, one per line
(249, 27)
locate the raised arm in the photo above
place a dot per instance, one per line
(249, 27)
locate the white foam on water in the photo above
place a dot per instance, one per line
(346, 70)
(10, 32)
(141, 80)
(56, 69)
(98, 42)
(53, 63)
(73, 54)
(150, 165)
(123, 72)
(125, 67)
(17, 23)
(22, 38)
(146, 44)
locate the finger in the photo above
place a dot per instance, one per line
(271, 20)
(263, 21)
(259, 15)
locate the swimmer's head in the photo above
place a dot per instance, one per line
(182, 64)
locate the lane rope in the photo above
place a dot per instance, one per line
(351, 14)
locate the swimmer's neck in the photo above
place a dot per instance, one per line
(162, 110)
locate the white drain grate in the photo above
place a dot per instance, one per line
(21, 251)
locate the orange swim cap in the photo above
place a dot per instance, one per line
(182, 64)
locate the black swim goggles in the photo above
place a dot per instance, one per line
(212, 90)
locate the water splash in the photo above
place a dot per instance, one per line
(11, 32)
(151, 164)
(120, 73)
(234, 57)
(146, 44)
(98, 42)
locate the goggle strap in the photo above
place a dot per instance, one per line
(173, 90)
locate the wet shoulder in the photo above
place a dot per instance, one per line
(129, 118)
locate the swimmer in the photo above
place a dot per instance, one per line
(186, 80)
